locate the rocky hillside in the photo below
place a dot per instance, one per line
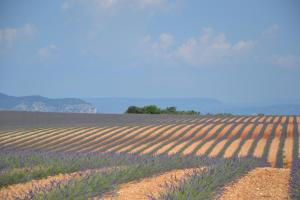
(43, 104)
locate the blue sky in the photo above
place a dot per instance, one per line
(235, 51)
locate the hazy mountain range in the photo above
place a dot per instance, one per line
(119, 105)
(43, 104)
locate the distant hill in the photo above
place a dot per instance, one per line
(43, 104)
(120, 105)
(202, 105)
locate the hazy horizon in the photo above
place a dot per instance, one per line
(268, 102)
(231, 51)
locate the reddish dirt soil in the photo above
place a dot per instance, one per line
(256, 186)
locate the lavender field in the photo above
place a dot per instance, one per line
(84, 156)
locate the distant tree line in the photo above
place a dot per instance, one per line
(220, 114)
(153, 109)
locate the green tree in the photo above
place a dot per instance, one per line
(134, 109)
(151, 109)
(171, 109)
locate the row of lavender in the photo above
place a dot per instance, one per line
(18, 167)
(57, 140)
(295, 171)
(12, 120)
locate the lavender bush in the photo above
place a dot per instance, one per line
(295, 180)
(209, 183)
(18, 167)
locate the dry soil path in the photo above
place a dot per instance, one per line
(260, 184)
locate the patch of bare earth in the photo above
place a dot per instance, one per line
(260, 184)
(20, 190)
(140, 190)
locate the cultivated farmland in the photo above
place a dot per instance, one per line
(202, 144)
